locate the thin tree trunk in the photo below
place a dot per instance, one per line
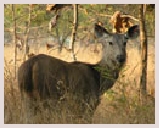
(75, 25)
(26, 46)
(143, 40)
(58, 38)
(14, 39)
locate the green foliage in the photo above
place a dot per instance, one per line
(88, 15)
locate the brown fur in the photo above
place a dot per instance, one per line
(78, 84)
(43, 77)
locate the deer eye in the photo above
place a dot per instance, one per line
(111, 43)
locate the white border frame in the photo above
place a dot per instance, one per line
(79, 2)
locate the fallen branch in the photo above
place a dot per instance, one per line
(131, 17)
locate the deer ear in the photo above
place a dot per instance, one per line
(134, 31)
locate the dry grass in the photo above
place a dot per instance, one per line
(119, 105)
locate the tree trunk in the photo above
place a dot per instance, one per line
(75, 25)
(14, 38)
(143, 40)
(57, 34)
(26, 46)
